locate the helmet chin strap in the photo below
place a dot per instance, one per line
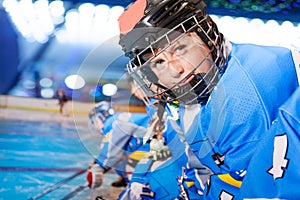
(196, 91)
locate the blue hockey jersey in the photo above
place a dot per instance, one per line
(162, 175)
(224, 133)
(125, 133)
(275, 164)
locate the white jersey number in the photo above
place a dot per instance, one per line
(225, 196)
(279, 160)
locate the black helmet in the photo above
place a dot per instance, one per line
(165, 22)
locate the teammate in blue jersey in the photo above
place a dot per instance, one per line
(161, 162)
(228, 93)
(124, 143)
(273, 172)
(122, 135)
(155, 176)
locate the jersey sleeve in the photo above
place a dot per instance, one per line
(275, 164)
(123, 138)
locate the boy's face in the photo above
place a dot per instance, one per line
(177, 63)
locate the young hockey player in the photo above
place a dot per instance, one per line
(228, 93)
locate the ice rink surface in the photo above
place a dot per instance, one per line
(44, 155)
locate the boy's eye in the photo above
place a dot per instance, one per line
(160, 61)
(180, 49)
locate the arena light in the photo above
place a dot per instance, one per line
(28, 84)
(75, 82)
(91, 24)
(46, 82)
(35, 20)
(57, 11)
(47, 93)
(100, 23)
(56, 8)
(256, 31)
(86, 17)
(256, 28)
(272, 31)
(70, 33)
(109, 89)
(115, 12)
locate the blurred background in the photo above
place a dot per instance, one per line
(73, 45)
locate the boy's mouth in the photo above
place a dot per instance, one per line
(186, 80)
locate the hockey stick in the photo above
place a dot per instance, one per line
(75, 191)
(57, 185)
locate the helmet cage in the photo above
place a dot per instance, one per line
(138, 66)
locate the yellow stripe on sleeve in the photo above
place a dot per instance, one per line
(229, 180)
(137, 155)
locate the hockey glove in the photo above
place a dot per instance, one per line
(95, 176)
(140, 191)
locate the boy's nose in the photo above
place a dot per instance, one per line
(176, 67)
